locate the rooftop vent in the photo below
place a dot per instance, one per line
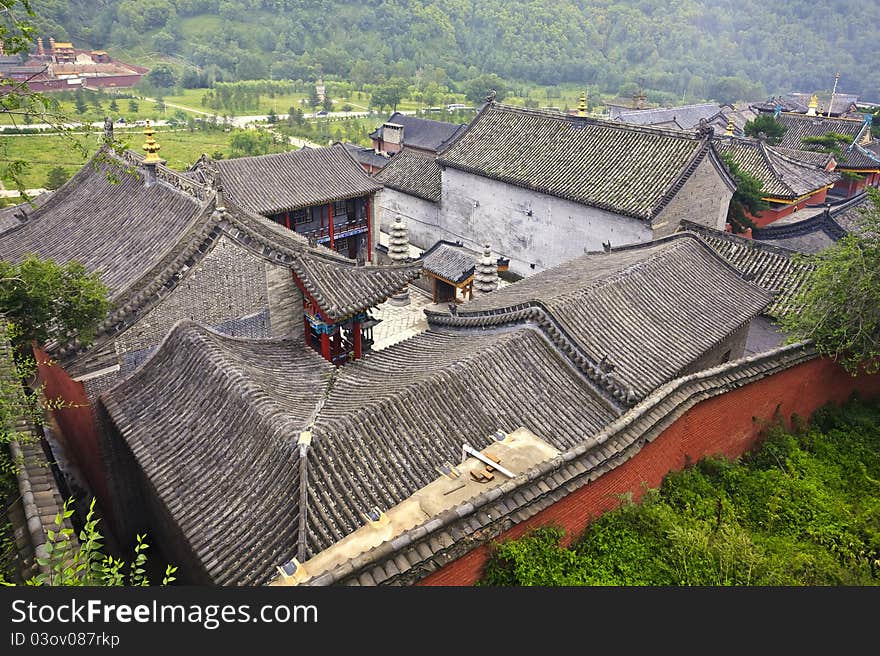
(376, 517)
(292, 572)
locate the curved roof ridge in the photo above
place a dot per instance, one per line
(763, 148)
(210, 342)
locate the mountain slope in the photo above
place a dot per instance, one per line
(694, 48)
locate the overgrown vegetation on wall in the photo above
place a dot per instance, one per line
(801, 510)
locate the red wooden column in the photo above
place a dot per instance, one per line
(369, 233)
(358, 347)
(287, 219)
(330, 215)
(325, 347)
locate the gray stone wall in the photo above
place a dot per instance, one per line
(731, 348)
(228, 283)
(536, 231)
(285, 303)
(422, 217)
(704, 199)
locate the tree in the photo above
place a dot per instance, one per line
(46, 301)
(475, 90)
(56, 177)
(327, 104)
(272, 117)
(161, 77)
(133, 106)
(746, 198)
(80, 102)
(838, 305)
(389, 94)
(772, 129)
(114, 106)
(250, 142)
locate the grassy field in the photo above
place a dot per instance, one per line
(67, 110)
(179, 147)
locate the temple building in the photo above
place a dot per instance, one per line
(449, 270)
(320, 193)
(543, 187)
(419, 134)
(788, 183)
(688, 117)
(169, 247)
(857, 165)
(282, 468)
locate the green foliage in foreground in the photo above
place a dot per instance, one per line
(49, 301)
(71, 564)
(838, 305)
(802, 510)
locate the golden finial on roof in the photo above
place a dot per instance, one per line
(730, 126)
(582, 105)
(151, 146)
(814, 103)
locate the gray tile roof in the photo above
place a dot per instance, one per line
(13, 215)
(145, 240)
(382, 425)
(483, 518)
(422, 133)
(807, 156)
(842, 101)
(268, 184)
(618, 305)
(771, 267)
(342, 287)
(848, 215)
(367, 155)
(236, 407)
(626, 169)
(413, 173)
(780, 176)
(811, 235)
(685, 117)
(799, 126)
(117, 230)
(449, 261)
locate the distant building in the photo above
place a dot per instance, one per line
(788, 183)
(320, 193)
(63, 67)
(542, 187)
(416, 133)
(859, 166)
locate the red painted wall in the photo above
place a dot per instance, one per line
(724, 424)
(769, 216)
(79, 434)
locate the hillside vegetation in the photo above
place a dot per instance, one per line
(802, 510)
(679, 49)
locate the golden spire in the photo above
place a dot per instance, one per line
(814, 103)
(582, 105)
(151, 146)
(730, 126)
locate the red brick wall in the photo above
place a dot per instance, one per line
(728, 424)
(769, 216)
(79, 434)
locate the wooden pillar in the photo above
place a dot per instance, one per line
(330, 222)
(369, 233)
(358, 346)
(287, 219)
(325, 347)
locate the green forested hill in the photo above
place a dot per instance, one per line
(692, 49)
